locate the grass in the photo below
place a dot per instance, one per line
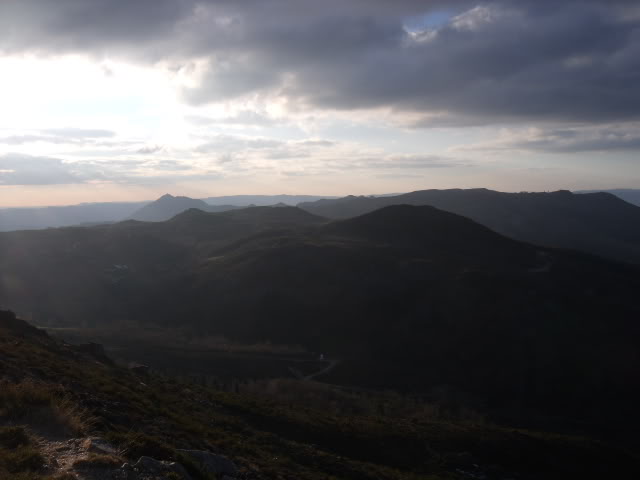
(283, 429)
(18, 456)
(43, 405)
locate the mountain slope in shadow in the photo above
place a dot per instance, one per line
(73, 413)
(597, 223)
(168, 206)
(412, 298)
(419, 299)
(109, 273)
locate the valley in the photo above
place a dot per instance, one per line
(404, 311)
(337, 240)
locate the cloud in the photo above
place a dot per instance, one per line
(482, 62)
(225, 143)
(74, 133)
(612, 138)
(410, 162)
(16, 169)
(316, 143)
(240, 118)
(150, 149)
(68, 135)
(382, 165)
(19, 169)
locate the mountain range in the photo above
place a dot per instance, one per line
(48, 217)
(631, 195)
(408, 297)
(263, 200)
(164, 208)
(597, 223)
(168, 206)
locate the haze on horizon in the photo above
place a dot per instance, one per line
(110, 100)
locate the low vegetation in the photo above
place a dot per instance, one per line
(19, 458)
(286, 434)
(98, 460)
(44, 406)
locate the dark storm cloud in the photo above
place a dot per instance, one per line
(612, 138)
(482, 62)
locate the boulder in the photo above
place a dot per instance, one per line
(211, 463)
(98, 445)
(95, 350)
(139, 368)
(19, 328)
(147, 468)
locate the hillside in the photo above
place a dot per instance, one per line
(631, 195)
(263, 200)
(96, 420)
(416, 298)
(410, 298)
(109, 273)
(168, 206)
(597, 223)
(51, 217)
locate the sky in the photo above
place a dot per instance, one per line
(120, 100)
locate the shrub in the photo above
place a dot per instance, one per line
(22, 459)
(136, 445)
(43, 406)
(13, 437)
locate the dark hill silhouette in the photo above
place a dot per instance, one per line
(448, 303)
(62, 216)
(597, 223)
(168, 206)
(408, 297)
(105, 273)
(422, 227)
(263, 200)
(631, 195)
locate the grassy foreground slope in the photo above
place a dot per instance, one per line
(54, 392)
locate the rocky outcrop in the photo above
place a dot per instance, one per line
(17, 327)
(147, 468)
(211, 463)
(93, 458)
(94, 350)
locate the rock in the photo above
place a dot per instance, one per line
(98, 445)
(139, 368)
(212, 463)
(148, 468)
(17, 327)
(96, 350)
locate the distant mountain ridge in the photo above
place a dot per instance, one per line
(64, 216)
(263, 200)
(597, 223)
(631, 195)
(85, 214)
(168, 206)
(408, 297)
(412, 296)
